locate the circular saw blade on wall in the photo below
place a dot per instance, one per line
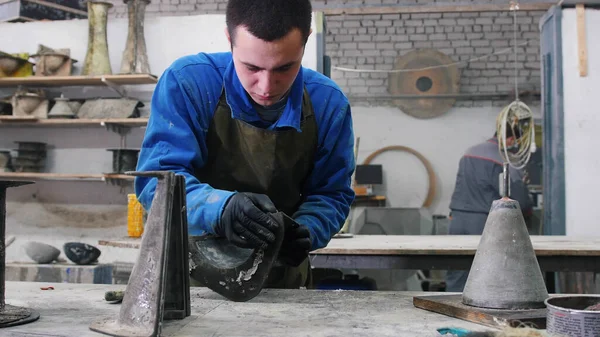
(434, 78)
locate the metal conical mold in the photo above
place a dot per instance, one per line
(238, 274)
(62, 108)
(505, 273)
(158, 288)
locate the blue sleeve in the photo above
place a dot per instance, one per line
(329, 192)
(175, 141)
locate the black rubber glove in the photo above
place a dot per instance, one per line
(296, 243)
(246, 221)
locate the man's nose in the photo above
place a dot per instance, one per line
(266, 82)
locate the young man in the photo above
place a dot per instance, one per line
(254, 132)
(477, 186)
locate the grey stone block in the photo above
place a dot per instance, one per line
(59, 273)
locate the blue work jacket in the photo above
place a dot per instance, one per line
(182, 108)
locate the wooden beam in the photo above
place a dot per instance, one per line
(11, 121)
(64, 176)
(433, 9)
(581, 41)
(78, 80)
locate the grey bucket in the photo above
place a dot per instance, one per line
(566, 316)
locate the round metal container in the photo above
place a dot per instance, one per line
(567, 316)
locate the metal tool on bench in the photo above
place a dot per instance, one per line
(10, 315)
(238, 274)
(158, 288)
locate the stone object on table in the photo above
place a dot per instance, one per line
(40, 252)
(81, 253)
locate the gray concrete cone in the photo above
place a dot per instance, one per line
(505, 273)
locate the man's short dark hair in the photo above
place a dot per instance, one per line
(269, 20)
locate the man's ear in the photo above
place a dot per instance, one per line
(308, 36)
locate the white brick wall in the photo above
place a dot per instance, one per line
(374, 42)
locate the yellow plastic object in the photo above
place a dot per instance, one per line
(135, 217)
(25, 68)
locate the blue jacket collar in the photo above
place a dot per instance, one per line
(241, 106)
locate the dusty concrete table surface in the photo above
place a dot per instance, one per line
(69, 309)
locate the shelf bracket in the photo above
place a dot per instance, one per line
(121, 129)
(115, 87)
(116, 181)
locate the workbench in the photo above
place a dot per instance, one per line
(431, 252)
(69, 309)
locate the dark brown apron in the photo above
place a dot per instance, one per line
(245, 158)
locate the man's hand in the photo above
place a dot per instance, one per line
(246, 221)
(296, 243)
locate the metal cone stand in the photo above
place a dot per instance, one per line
(9, 314)
(158, 287)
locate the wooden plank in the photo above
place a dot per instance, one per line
(11, 118)
(451, 305)
(11, 121)
(433, 9)
(124, 243)
(78, 80)
(581, 40)
(453, 245)
(429, 245)
(63, 176)
(370, 198)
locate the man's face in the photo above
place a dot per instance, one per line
(267, 69)
(510, 141)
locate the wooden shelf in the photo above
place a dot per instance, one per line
(126, 242)
(370, 197)
(78, 80)
(11, 121)
(63, 176)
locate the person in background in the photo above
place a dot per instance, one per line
(477, 186)
(254, 132)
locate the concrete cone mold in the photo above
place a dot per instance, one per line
(505, 273)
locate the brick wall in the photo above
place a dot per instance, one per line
(375, 41)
